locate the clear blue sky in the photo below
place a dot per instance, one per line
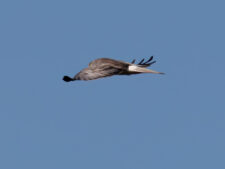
(175, 121)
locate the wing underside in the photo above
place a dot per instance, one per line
(90, 74)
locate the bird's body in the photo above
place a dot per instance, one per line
(104, 67)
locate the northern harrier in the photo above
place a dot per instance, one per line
(104, 67)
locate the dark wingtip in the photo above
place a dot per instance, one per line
(133, 61)
(67, 79)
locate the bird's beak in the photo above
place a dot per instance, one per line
(152, 71)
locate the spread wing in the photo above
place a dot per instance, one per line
(101, 68)
(90, 74)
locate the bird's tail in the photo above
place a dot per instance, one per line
(68, 79)
(135, 68)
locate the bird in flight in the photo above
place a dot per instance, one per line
(104, 67)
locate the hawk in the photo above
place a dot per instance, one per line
(104, 67)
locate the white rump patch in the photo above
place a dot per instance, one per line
(133, 68)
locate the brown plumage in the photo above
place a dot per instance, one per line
(104, 67)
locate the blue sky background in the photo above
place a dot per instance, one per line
(146, 121)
